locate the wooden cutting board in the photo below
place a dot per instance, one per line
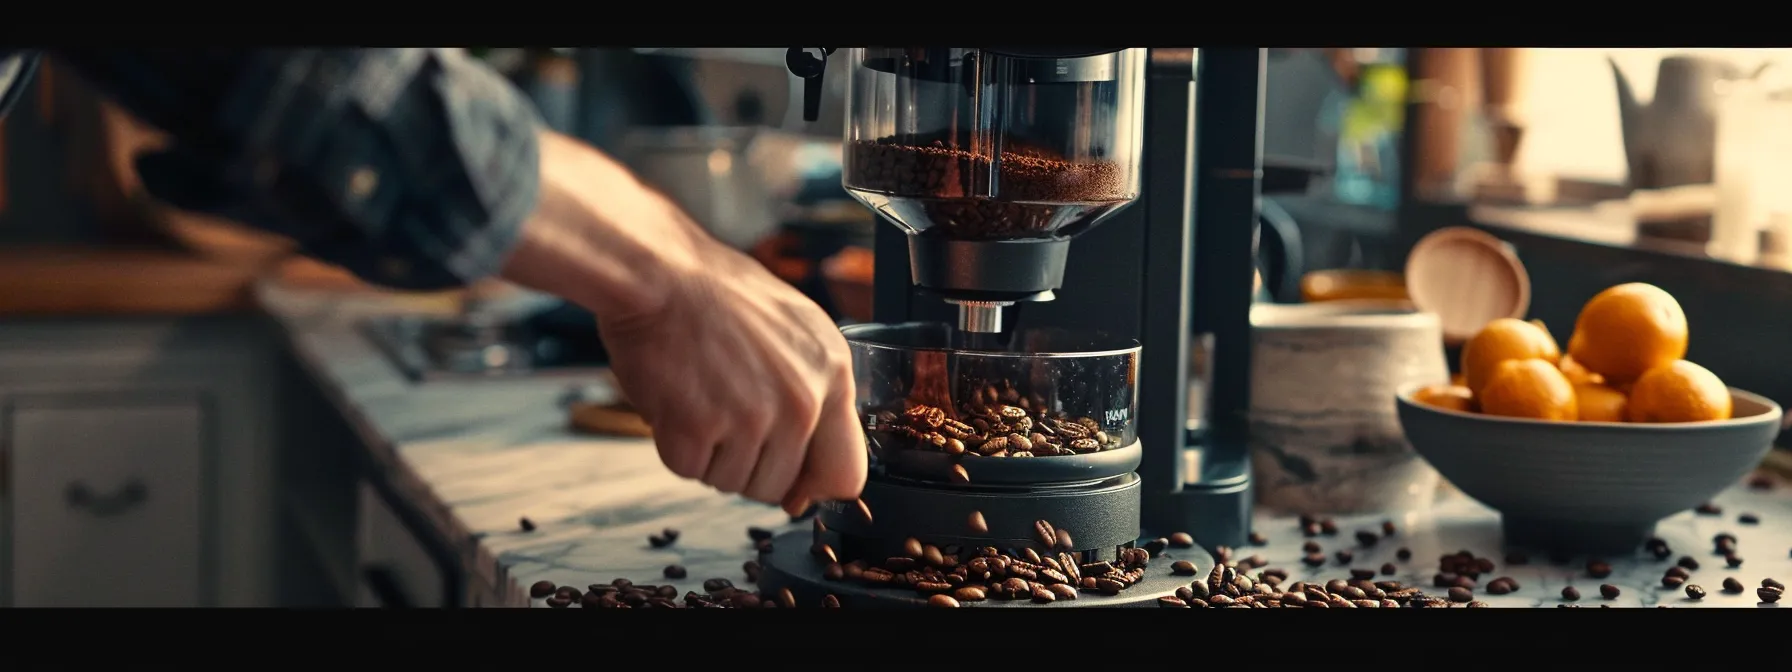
(613, 419)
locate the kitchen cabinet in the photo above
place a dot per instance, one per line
(136, 462)
(396, 568)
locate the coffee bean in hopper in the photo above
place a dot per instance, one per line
(675, 572)
(1181, 540)
(1183, 568)
(1570, 594)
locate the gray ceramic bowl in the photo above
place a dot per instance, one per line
(1589, 486)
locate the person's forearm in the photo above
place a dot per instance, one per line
(599, 237)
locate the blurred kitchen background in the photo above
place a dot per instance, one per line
(175, 434)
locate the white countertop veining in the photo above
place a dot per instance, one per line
(475, 457)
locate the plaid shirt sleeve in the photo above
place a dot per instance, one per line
(412, 168)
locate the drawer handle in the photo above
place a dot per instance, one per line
(129, 497)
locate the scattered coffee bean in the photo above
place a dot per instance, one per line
(1679, 571)
(1517, 559)
(830, 602)
(978, 524)
(1388, 569)
(1313, 559)
(1724, 542)
(1760, 482)
(1459, 594)
(1498, 587)
(1311, 547)
(1171, 602)
(1688, 562)
(559, 602)
(1732, 586)
(1183, 568)
(658, 541)
(1366, 538)
(834, 571)
(1362, 574)
(541, 589)
(1770, 583)
(759, 534)
(1181, 540)
(1671, 581)
(1309, 530)
(1257, 539)
(1748, 519)
(1709, 509)
(1388, 529)
(1063, 541)
(1732, 560)
(1344, 557)
(1156, 547)
(674, 572)
(527, 525)
(1609, 591)
(1694, 592)
(713, 586)
(1599, 569)
(1570, 594)
(1328, 527)
(1769, 595)
(1063, 590)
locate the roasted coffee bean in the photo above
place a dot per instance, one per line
(1388, 569)
(567, 593)
(1517, 559)
(713, 586)
(1748, 519)
(526, 524)
(1770, 583)
(1679, 572)
(1183, 568)
(1671, 581)
(1769, 595)
(1062, 591)
(1169, 602)
(833, 572)
(830, 602)
(1732, 560)
(1045, 533)
(1732, 586)
(786, 599)
(1156, 547)
(559, 602)
(1043, 595)
(1181, 540)
(1599, 569)
(541, 589)
(1465, 581)
(759, 534)
(1709, 509)
(1328, 527)
(674, 572)
(658, 541)
(1483, 565)
(1459, 594)
(1344, 557)
(1220, 600)
(1310, 530)
(1362, 574)
(1313, 560)
(826, 553)
(1064, 542)
(1724, 541)
(1388, 529)
(911, 547)
(1662, 552)
(1107, 586)
(932, 557)
(1311, 547)
(1403, 554)
(959, 475)
(1366, 538)
(1694, 592)
(1609, 591)
(1222, 553)
(864, 511)
(1257, 539)
(1498, 587)
(977, 524)
(1760, 482)
(1570, 594)
(1688, 562)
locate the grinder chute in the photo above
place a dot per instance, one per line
(991, 159)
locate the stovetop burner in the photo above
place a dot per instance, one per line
(483, 346)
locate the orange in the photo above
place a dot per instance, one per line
(1629, 329)
(1529, 388)
(1576, 373)
(1552, 339)
(1449, 397)
(1599, 403)
(1459, 379)
(1501, 340)
(1679, 391)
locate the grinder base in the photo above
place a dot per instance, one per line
(790, 566)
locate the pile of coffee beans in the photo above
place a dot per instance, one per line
(981, 429)
(1226, 587)
(954, 184)
(626, 594)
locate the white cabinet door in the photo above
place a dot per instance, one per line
(107, 500)
(396, 569)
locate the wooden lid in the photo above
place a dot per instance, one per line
(1468, 278)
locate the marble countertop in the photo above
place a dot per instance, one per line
(476, 457)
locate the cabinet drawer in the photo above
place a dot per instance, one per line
(396, 569)
(107, 497)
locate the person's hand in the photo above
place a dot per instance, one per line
(746, 382)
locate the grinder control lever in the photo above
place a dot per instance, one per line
(809, 67)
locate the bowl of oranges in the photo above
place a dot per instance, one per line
(1588, 448)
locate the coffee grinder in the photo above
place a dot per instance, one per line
(990, 162)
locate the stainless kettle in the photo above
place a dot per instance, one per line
(709, 171)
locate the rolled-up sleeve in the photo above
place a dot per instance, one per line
(413, 168)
